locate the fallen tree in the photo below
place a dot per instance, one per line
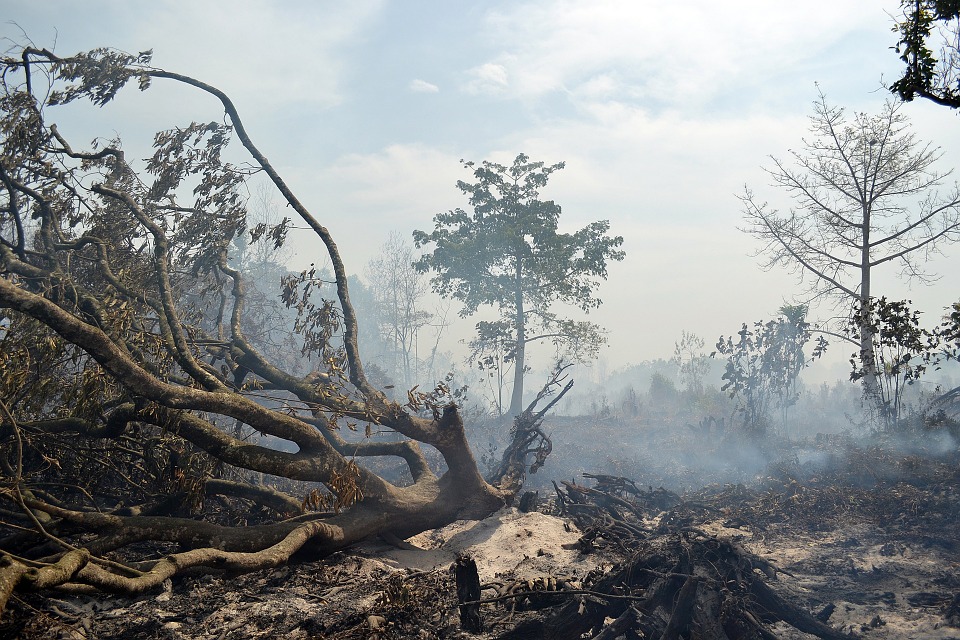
(131, 396)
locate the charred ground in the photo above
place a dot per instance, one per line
(863, 542)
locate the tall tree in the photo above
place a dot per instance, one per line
(929, 47)
(125, 377)
(866, 196)
(510, 254)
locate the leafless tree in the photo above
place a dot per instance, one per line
(866, 195)
(691, 361)
(399, 291)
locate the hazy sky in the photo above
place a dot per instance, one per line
(662, 112)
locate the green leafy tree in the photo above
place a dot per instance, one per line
(948, 333)
(902, 350)
(930, 50)
(793, 331)
(509, 254)
(947, 336)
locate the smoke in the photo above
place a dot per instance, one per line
(659, 435)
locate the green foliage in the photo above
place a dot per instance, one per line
(948, 334)
(928, 74)
(763, 365)
(510, 254)
(902, 350)
(662, 390)
(513, 236)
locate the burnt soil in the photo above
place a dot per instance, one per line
(867, 542)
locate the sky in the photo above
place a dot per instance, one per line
(663, 112)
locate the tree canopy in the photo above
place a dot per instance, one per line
(509, 254)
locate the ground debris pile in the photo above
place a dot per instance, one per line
(865, 545)
(865, 539)
(685, 585)
(680, 580)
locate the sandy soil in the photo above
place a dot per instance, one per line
(508, 543)
(880, 585)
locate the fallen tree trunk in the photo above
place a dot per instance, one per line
(137, 404)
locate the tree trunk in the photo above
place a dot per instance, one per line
(519, 362)
(868, 361)
(516, 399)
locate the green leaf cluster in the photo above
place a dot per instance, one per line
(764, 362)
(511, 245)
(929, 74)
(509, 253)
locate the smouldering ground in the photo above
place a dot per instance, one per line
(870, 543)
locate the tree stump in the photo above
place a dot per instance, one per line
(468, 593)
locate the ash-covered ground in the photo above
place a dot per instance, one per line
(865, 539)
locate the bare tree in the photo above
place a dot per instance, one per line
(399, 291)
(691, 361)
(866, 196)
(122, 376)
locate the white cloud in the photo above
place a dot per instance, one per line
(680, 55)
(365, 195)
(422, 86)
(488, 78)
(248, 48)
